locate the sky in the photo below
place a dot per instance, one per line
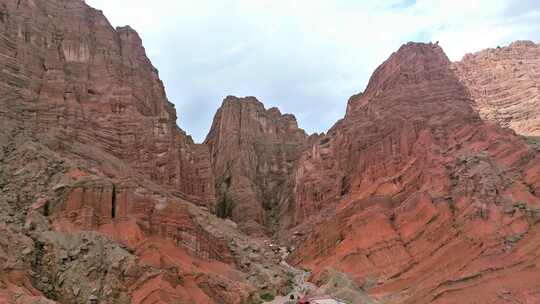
(306, 57)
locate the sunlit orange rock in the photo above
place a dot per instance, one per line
(504, 84)
(423, 201)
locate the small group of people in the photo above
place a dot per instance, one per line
(294, 300)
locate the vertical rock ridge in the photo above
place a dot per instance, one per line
(253, 152)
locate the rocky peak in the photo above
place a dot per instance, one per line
(397, 189)
(405, 75)
(253, 151)
(413, 90)
(91, 89)
(253, 105)
(523, 44)
(416, 84)
(411, 64)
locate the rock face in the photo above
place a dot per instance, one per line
(429, 204)
(69, 75)
(253, 153)
(15, 260)
(71, 235)
(504, 83)
(415, 196)
(375, 139)
(100, 191)
(95, 176)
(130, 213)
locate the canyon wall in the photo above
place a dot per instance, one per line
(72, 77)
(96, 178)
(422, 193)
(504, 83)
(253, 153)
(423, 201)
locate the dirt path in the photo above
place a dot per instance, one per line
(300, 284)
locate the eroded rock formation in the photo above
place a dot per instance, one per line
(96, 178)
(70, 76)
(415, 196)
(71, 236)
(430, 204)
(253, 153)
(504, 83)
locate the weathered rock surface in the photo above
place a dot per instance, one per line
(130, 213)
(67, 241)
(253, 153)
(16, 252)
(505, 84)
(94, 172)
(341, 286)
(423, 201)
(67, 74)
(411, 198)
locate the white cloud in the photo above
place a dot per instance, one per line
(304, 56)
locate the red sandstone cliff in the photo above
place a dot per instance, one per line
(412, 194)
(504, 83)
(253, 153)
(70, 76)
(429, 204)
(95, 175)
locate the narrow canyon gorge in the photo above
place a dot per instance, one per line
(426, 191)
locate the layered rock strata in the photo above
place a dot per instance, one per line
(415, 196)
(253, 154)
(70, 76)
(72, 236)
(504, 83)
(96, 177)
(429, 203)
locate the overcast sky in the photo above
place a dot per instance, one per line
(304, 56)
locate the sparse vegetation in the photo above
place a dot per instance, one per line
(534, 141)
(305, 269)
(225, 207)
(267, 297)
(290, 281)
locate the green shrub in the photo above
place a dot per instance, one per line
(224, 208)
(267, 297)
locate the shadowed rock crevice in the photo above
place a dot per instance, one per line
(113, 202)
